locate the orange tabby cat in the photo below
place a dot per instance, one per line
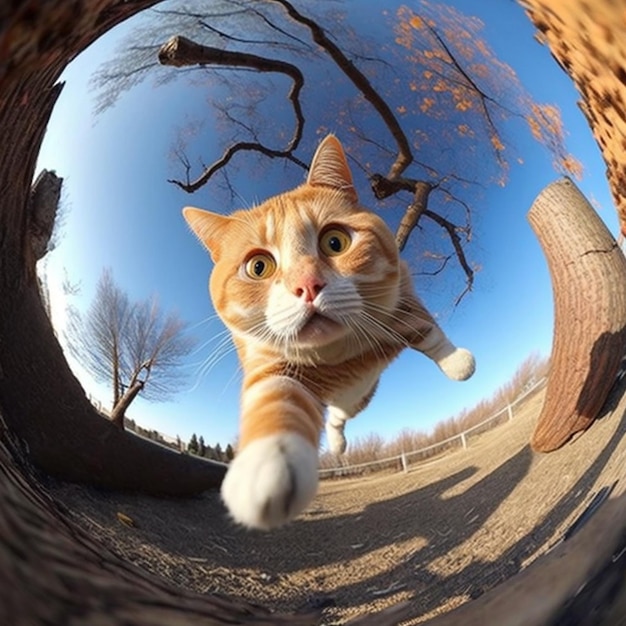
(311, 286)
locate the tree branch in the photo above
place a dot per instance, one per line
(468, 211)
(471, 84)
(413, 213)
(452, 229)
(360, 81)
(180, 51)
(227, 36)
(444, 261)
(271, 24)
(383, 187)
(228, 155)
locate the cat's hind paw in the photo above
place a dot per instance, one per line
(458, 365)
(271, 481)
(335, 438)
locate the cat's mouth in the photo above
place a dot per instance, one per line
(319, 329)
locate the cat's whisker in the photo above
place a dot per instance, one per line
(373, 287)
(238, 372)
(360, 330)
(217, 337)
(204, 321)
(267, 336)
(358, 336)
(358, 333)
(207, 367)
(404, 318)
(225, 348)
(377, 287)
(293, 363)
(260, 330)
(380, 326)
(349, 303)
(297, 370)
(286, 321)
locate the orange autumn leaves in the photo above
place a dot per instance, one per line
(462, 82)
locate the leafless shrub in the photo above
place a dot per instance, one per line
(372, 454)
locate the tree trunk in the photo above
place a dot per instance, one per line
(53, 572)
(116, 377)
(588, 273)
(41, 400)
(119, 410)
(42, 212)
(588, 40)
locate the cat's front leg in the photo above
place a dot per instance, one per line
(456, 363)
(274, 475)
(422, 333)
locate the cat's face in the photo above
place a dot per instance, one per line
(306, 268)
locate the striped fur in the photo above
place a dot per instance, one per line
(336, 306)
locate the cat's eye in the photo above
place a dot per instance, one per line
(334, 241)
(260, 265)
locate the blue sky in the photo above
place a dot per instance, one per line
(121, 213)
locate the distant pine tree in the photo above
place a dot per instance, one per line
(201, 446)
(193, 444)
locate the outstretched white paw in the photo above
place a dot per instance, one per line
(335, 437)
(458, 365)
(271, 481)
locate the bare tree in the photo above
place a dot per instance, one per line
(41, 401)
(133, 346)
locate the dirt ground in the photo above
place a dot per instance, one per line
(437, 536)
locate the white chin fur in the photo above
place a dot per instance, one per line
(271, 481)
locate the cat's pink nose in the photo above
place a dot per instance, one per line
(308, 288)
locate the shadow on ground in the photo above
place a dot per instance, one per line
(390, 544)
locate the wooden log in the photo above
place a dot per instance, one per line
(53, 572)
(42, 401)
(588, 272)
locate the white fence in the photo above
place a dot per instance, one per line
(402, 461)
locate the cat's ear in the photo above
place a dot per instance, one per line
(329, 167)
(208, 227)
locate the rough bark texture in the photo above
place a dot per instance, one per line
(41, 400)
(42, 212)
(50, 572)
(588, 40)
(588, 273)
(119, 410)
(413, 213)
